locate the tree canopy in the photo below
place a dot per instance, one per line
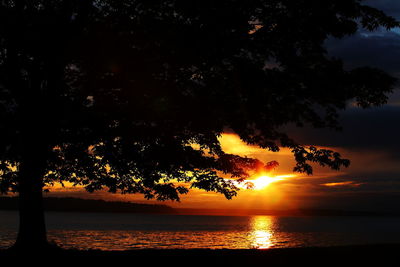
(132, 95)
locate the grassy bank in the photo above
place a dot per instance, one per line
(365, 255)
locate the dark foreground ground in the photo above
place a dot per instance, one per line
(368, 255)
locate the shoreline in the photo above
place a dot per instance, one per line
(379, 254)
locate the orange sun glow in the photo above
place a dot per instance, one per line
(264, 180)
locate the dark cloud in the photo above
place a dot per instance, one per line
(372, 133)
(379, 49)
(370, 136)
(371, 129)
(363, 129)
(371, 201)
(352, 182)
(379, 192)
(390, 7)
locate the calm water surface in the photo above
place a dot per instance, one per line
(133, 231)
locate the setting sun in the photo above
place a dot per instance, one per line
(264, 181)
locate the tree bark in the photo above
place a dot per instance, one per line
(32, 230)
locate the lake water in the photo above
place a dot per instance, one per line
(134, 231)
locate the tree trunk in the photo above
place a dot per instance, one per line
(32, 230)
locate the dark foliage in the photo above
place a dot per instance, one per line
(132, 95)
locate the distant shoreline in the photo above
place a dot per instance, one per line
(89, 205)
(68, 204)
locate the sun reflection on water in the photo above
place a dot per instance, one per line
(262, 232)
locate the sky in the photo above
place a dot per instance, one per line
(369, 139)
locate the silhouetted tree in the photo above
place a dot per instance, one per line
(132, 95)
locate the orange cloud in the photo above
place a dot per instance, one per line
(345, 184)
